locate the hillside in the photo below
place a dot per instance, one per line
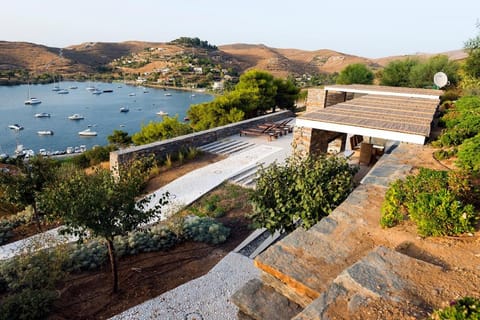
(137, 57)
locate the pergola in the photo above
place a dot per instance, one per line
(389, 113)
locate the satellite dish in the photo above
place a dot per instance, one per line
(440, 79)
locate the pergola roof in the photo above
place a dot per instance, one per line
(401, 114)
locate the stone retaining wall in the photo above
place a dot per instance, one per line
(172, 146)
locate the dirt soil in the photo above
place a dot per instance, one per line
(88, 295)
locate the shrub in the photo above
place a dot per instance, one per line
(304, 189)
(469, 155)
(443, 154)
(434, 200)
(27, 304)
(440, 214)
(204, 229)
(461, 122)
(467, 308)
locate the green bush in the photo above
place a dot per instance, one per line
(443, 154)
(204, 229)
(437, 201)
(304, 189)
(467, 308)
(441, 214)
(27, 304)
(461, 121)
(469, 155)
(8, 224)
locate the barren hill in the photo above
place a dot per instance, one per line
(95, 56)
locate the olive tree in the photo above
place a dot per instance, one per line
(103, 204)
(300, 192)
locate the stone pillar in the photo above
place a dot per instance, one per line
(310, 141)
(344, 142)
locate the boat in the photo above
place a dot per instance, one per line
(132, 94)
(186, 119)
(15, 126)
(73, 87)
(87, 133)
(76, 116)
(90, 88)
(42, 115)
(62, 91)
(162, 113)
(32, 101)
(45, 133)
(124, 109)
(107, 90)
(96, 91)
(56, 88)
(167, 94)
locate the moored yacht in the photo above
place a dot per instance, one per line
(87, 133)
(32, 101)
(42, 115)
(76, 116)
(15, 126)
(45, 133)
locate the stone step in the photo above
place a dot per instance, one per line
(219, 145)
(259, 301)
(240, 146)
(303, 264)
(212, 145)
(381, 283)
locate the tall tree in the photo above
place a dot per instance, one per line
(356, 73)
(104, 204)
(264, 86)
(22, 187)
(287, 94)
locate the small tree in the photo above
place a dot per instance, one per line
(397, 73)
(23, 186)
(170, 127)
(102, 204)
(356, 73)
(120, 138)
(301, 191)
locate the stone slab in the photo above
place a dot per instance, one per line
(260, 301)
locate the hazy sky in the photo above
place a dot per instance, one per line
(368, 28)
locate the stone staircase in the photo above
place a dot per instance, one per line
(345, 267)
(226, 146)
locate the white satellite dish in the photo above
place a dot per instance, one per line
(440, 79)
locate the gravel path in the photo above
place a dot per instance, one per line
(205, 298)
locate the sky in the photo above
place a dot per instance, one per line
(367, 28)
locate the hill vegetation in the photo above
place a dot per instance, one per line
(182, 62)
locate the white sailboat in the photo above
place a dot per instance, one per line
(31, 100)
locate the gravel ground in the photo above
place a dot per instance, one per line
(205, 298)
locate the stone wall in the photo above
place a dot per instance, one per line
(316, 98)
(314, 141)
(172, 146)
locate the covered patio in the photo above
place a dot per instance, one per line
(364, 117)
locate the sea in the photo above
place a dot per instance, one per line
(101, 113)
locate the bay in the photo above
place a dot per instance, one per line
(101, 112)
